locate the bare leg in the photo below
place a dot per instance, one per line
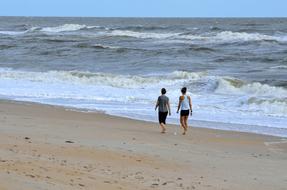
(162, 125)
(186, 121)
(183, 124)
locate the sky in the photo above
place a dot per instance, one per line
(145, 8)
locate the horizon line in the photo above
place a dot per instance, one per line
(144, 16)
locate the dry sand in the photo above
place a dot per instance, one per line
(46, 147)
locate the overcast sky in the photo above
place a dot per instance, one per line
(145, 8)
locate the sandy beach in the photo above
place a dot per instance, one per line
(47, 147)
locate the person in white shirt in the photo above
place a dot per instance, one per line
(185, 107)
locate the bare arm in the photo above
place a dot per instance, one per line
(168, 106)
(157, 104)
(190, 104)
(179, 103)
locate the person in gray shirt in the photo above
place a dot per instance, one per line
(163, 109)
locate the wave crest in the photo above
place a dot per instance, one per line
(217, 36)
(105, 79)
(66, 28)
(271, 106)
(235, 86)
(127, 33)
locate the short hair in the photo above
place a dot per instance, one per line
(163, 90)
(183, 90)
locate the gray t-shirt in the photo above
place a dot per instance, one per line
(163, 101)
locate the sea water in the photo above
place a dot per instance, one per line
(235, 69)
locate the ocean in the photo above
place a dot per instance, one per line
(235, 69)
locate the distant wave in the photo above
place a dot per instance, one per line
(279, 67)
(141, 28)
(154, 32)
(96, 46)
(127, 33)
(243, 36)
(66, 28)
(221, 37)
(12, 33)
(228, 36)
(54, 29)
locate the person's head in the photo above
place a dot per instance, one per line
(163, 91)
(183, 90)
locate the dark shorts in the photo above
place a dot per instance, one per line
(162, 117)
(184, 113)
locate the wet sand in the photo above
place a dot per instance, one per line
(47, 147)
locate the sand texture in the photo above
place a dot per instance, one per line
(46, 147)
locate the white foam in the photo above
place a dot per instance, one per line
(13, 33)
(65, 28)
(228, 100)
(270, 106)
(56, 29)
(255, 97)
(234, 86)
(222, 37)
(129, 33)
(88, 78)
(243, 36)
(229, 36)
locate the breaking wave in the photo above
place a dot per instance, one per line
(232, 93)
(221, 85)
(228, 36)
(66, 28)
(254, 97)
(235, 86)
(89, 78)
(222, 37)
(12, 33)
(154, 32)
(271, 106)
(127, 33)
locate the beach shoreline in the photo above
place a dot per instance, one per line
(51, 147)
(198, 124)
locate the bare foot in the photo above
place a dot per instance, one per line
(184, 132)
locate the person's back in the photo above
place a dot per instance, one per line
(163, 102)
(185, 103)
(163, 108)
(185, 106)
